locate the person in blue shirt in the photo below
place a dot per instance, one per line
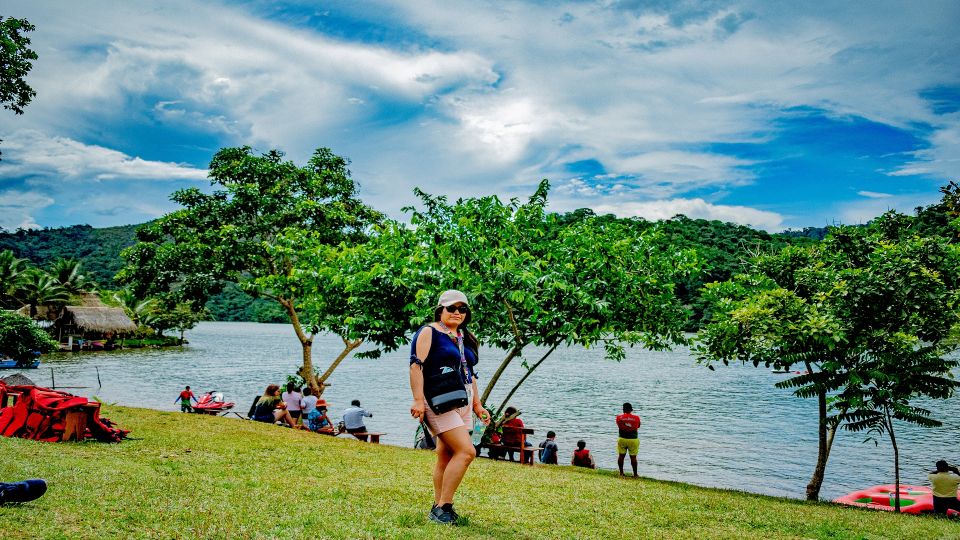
(353, 418)
(549, 449)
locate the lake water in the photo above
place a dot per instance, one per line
(726, 428)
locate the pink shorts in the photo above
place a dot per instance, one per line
(439, 423)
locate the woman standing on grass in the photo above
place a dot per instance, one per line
(437, 348)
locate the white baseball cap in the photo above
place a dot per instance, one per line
(451, 297)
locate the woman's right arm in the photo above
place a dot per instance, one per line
(424, 340)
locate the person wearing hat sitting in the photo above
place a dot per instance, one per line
(315, 412)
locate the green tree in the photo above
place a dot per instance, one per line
(141, 312)
(536, 281)
(888, 383)
(831, 306)
(362, 293)
(38, 288)
(722, 249)
(15, 63)
(69, 273)
(11, 269)
(190, 254)
(20, 339)
(907, 359)
(180, 317)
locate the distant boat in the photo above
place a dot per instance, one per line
(10, 363)
(782, 371)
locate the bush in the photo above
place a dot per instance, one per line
(21, 339)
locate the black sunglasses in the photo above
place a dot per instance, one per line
(461, 309)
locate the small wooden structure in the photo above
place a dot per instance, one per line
(367, 436)
(93, 320)
(498, 451)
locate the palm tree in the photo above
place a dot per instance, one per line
(141, 312)
(11, 269)
(69, 274)
(38, 288)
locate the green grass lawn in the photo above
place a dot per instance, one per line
(198, 477)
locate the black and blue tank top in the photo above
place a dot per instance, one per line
(444, 353)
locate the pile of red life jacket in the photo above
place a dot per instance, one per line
(40, 413)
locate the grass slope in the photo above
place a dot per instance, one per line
(204, 477)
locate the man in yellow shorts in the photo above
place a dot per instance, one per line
(628, 424)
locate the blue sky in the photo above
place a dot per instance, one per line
(773, 114)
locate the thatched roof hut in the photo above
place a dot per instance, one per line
(44, 312)
(91, 300)
(98, 319)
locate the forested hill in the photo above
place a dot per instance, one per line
(722, 246)
(98, 249)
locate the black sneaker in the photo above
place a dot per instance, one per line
(20, 492)
(441, 516)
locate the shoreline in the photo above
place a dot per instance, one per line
(202, 477)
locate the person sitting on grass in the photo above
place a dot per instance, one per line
(582, 457)
(292, 399)
(270, 408)
(184, 399)
(317, 419)
(945, 481)
(308, 406)
(549, 449)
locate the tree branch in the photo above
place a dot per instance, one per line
(524, 378)
(513, 322)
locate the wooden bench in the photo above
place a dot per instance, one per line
(373, 438)
(526, 452)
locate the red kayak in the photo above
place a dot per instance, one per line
(913, 499)
(212, 403)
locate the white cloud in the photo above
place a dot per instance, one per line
(942, 158)
(874, 195)
(668, 173)
(34, 154)
(221, 70)
(864, 210)
(694, 208)
(18, 207)
(491, 104)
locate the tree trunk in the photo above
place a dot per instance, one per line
(896, 460)
(527, 374)
(348, 347)
(306, 368)
(306, 343)
(823, 449)
(496, 376)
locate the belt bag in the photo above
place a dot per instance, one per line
(445, 392)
